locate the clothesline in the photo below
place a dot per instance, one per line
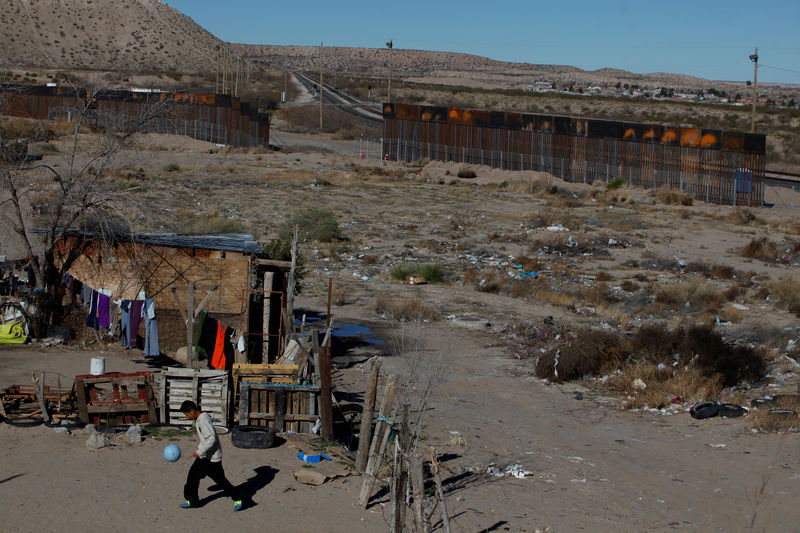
(101, 314)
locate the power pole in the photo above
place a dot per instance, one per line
(754, 59)
(390, 45)
(320, 86)
(285, 95)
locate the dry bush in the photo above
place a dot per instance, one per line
(629, 286)
(592, 352)
(732, 292)
(670, 196)
(731, 314)
(655, 344)
(529, 264)
(663, 384)
(659, 261)
(786, 291)
(404, 308)
(723, 272)
(554, 297)
(715, 356)
(763, 419)
(603, 276)
(343, 295)
(615, 196)
(696, 291)
(760, 248)
(741, 216)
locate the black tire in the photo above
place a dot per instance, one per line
(730, 410)
(783, 413)
(25, 421)
(253, 437)
(71, 423)
(757, 403)
(703, 410)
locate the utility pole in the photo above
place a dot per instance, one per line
(320, 86)
(285, 95)
(390, 45)
(754, 59)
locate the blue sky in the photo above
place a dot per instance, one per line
(707, 39)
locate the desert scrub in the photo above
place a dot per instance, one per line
(404, 308)
(171, 167)
(433, 273)
(466, 172)
(48, 147)
(616, 183)
(313, 224)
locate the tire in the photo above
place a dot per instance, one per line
(253, 437)
(221, 430)
(757, 403)
(71, 423)
(730, 410)
(703, 410)
(783, 413)
(25, 421)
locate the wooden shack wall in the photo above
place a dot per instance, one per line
(128, 268)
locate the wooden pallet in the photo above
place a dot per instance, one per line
(207, 388)
(116, 398)
(284, 407)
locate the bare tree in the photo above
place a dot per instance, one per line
(63, 194)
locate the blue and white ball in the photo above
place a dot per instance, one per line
(172, 453)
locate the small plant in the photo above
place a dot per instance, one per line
(433, 273)
(616, 183)
(761, 248)
(172, 167)
(466, 173)
(313, 224)
(48, 147)
(404, 308)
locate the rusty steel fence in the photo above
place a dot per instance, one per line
(711, 165)
(216, 118)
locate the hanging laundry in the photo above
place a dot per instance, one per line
(218, 357)
(86, 295)
(125, 323)
(228, 347)
(208, 337)
(91, 318)
(103, 317)
(150, 329)
(133, 321)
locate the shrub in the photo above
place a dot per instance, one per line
(786, 291)
(313, 224)
(616, 183)
(670, 196)
(433, 273)
(760, 248)
(172, 167)
(404, 308)
(591, 352)
(466, 172)
(48, 147)
(715, 356)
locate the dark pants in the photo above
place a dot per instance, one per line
(202, 468)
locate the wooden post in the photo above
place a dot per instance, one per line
(365, 431)
(191, 356)
(438, 479)
(379, 441)
(325, 386)
(330, 299)
(266, 316)
(400, 474)
(417, 475)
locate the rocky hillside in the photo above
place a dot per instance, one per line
(137, 36)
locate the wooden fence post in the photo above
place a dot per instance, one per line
(365, 431)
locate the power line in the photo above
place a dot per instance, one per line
(781, 68)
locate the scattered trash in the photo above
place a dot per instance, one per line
(61, 429)
(518, 471)
(638, 384)
(709, 409)
(494, 471)
(416, 280)
(715, 445)
(312, 458)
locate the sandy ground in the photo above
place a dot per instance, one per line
(593, 466)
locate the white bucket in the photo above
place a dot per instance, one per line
(98, 366)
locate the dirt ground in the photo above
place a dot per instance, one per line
(593, 466)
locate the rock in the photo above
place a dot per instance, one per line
(97, 441)
(457, 441)
(89, 429)
(61, 429)
(309, 476)
(134, 434)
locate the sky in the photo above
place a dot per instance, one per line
(707, 39)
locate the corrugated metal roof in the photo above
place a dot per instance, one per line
(231, 242)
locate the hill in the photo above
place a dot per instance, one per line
(137, 36)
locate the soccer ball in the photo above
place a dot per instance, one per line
(172, 453)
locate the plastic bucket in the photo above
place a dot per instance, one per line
(98, 366)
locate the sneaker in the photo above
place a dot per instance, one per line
(186, 505)
(237, 505)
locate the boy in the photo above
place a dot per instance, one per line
(208, 459)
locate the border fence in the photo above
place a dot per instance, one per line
(218, 118)
(711, 165)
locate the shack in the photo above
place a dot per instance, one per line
(225, 272)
